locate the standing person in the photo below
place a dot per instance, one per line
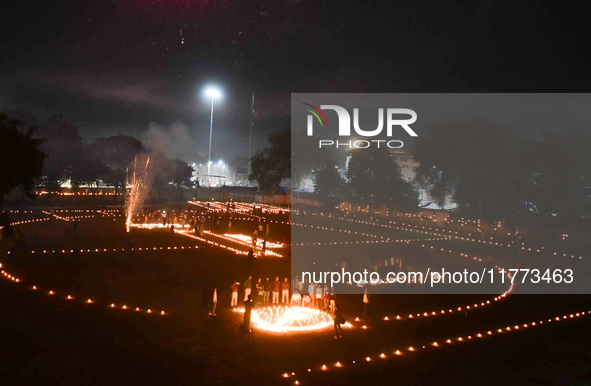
(250, 258)
(295, 284)
(338, 320)
(285, 291)
(326, 297)
(304, 291)
(214, 300)
(366, 302)
(267, 289)
(247, 288)
(312, 294)
(333, 301)
(234, 301)
(276, 286)
(264, 248)
(260, 291)
(319, 296)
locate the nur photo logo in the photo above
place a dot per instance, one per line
(394, 117)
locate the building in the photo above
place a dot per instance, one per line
(408, 166)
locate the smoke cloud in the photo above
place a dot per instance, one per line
(174, 142)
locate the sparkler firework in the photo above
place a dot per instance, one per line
(133, 197)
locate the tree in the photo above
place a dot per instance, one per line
(273, 164)
(329, 186)
(159, 174)
(558, 179)
(375, 179)
(307, 156)
(167, 175)
(89, 169)
(477, 162)
(183, 172)
(64, 149)
(118, 153)
(181, 176)
(21, 157)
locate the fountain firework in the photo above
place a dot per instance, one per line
(133, 197)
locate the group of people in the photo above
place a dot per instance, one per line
(268, 292)
(277, 291)
(314, 295)
(263, 291)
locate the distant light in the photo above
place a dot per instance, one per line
(212, 92)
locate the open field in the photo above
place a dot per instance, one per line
(54, 340)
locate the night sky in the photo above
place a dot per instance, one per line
(139, 67)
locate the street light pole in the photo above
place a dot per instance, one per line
(210, 136)
(251, 125)
(213, 93)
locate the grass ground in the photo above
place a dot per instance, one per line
(49, 340)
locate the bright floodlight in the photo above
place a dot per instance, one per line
(221, 162)
(212, 92)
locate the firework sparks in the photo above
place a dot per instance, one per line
(133, 197)
(290, 319)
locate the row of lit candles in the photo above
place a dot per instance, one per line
(529, 249)
(81, 194)
(435, 345)
(146, 249)
(410, 228)
(70, 297)
(28, 221)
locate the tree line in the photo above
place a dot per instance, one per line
(372, 177)
(488, 171)
(51, 153)
(492, 172)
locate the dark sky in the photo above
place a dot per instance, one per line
(139, 67)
